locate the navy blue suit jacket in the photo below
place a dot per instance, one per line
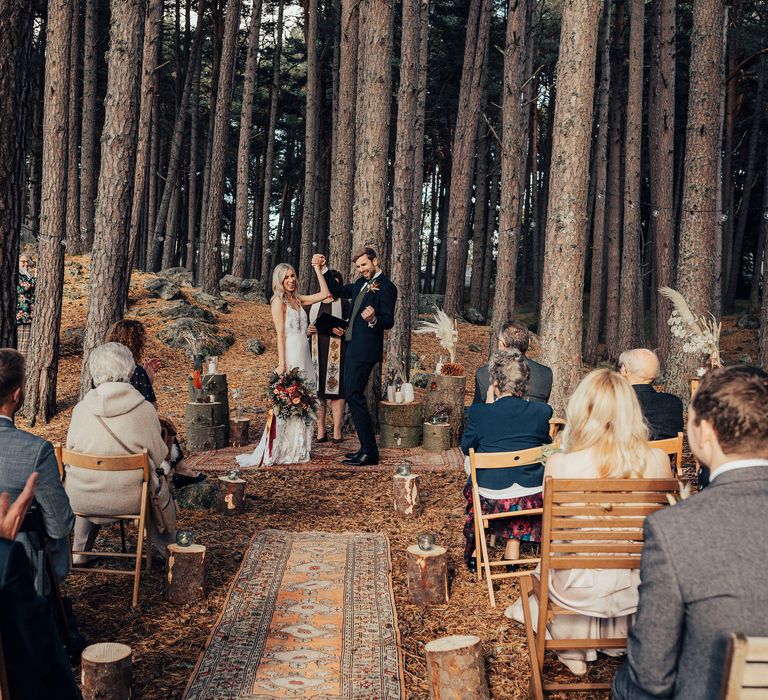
(507, 425)
(367, 344)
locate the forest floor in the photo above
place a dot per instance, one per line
(167, 639)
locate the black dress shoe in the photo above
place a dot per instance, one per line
(363, 460)
(354, 455)
(322, 439)
(472, 565)
(182, 480)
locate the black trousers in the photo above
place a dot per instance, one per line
(356, 375)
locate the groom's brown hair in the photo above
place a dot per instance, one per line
(369, 253)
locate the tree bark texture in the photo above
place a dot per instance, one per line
(427, 575)
(563, 281)
(72, 227)
(88, 126)
(194, 140)
(405, 490)
(372, 116)
(244, 143)
(485, 298)
(211, 240)
(185, 577)
(763, 339)
(109, 264)
(456, 668)
(15, 83)
(479, 218)
(514, 142)
(631, 292)
(464, 141)
(343, 165)
(230, 499)
(597, 277)
(661, 135)
(106, 670)
(43, 360)
(698, 220)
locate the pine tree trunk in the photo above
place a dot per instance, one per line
(763, 341)
(154, 175)
(194, 148)
(88, 133)
(343, 165)
(728, 133)
(426, 287)
(43, 360)
(109, 262)
(211, 237)
(372, 116)
(467, 119)
(699, 225)
(15, 51)
(661, 134)
(72, 227)
(244, 144)
(311, 135)
(269, 156)
(596, 282)
(563, 282)
(172, 226)
(631, 293)
(485, 294)
(479, 218)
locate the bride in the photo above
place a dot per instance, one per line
(287, 441)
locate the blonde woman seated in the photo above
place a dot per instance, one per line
(113, 419)
(605, 437)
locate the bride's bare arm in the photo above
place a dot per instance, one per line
(307, 299)
(278, 318)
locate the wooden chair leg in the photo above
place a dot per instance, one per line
(479, 532)
(148, 533)
(536, 688)
(487, 569)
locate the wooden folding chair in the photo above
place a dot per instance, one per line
(587, 524)
(674, 448)
(498, 460)
(746, 669)
(556, 426)
(135, 462)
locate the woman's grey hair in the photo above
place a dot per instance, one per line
(510, 371)
(111, 362)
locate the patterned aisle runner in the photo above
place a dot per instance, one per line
(309, 615)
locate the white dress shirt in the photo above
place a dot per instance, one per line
(737, 464)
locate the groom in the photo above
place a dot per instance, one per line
(373, 311)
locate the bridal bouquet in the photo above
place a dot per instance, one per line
(291, 396)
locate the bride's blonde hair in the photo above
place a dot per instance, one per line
(278, 276)
(604, 415)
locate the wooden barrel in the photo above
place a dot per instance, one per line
(447, 392)
(400, 424)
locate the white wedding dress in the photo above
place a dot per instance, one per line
(293, 437)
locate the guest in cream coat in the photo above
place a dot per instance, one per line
(113, 404)
(605, 437)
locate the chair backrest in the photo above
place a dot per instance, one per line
(502, 460)
(746, 669)
(597, 523)
(102, 463)
(556, 426)
(674, 448)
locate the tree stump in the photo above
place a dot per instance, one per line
(447, 393)
(231, 497)
(239, 431)
(406, 490)
(437, 437)
(216, 386)
(400, 424)
(456, 668)
(185, 577)
(428, 575)
(199, 414)
(205, 437)
(106, 671)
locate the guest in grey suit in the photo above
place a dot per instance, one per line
(704, 566)
(514, 334)
(21, 453)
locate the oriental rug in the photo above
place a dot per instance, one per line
(309, 615)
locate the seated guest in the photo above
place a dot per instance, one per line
(508, 424)
(21, 454)
(36, 663)
(132, 334)
(514, 334)
(704, 563)
(605, 437)
(112, 419)
(663, 412)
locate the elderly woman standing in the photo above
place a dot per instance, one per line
(506, 423)
(113, 419)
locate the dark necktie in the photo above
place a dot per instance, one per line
(355, 308)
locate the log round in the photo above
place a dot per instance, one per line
(230, 499)
(185, 577)
(239, 432)
(394, 436)
(201, 438)
(447, 391)
(200, 413)
(456, 668)
(106, 671)
(401, 414)
(427, 575)
(437, 437)
(216, 386)
(406, 492)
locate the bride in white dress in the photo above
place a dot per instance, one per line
(292, 436)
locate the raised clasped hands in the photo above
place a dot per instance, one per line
(11, 516)
(318, 261)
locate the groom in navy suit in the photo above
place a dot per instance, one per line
(373, 311)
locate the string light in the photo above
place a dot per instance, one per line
(655, 213)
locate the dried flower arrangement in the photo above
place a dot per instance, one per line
(447, 332)
(700, 335)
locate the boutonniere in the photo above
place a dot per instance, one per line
(373, 286)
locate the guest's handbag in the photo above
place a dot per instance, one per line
(160, 499)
